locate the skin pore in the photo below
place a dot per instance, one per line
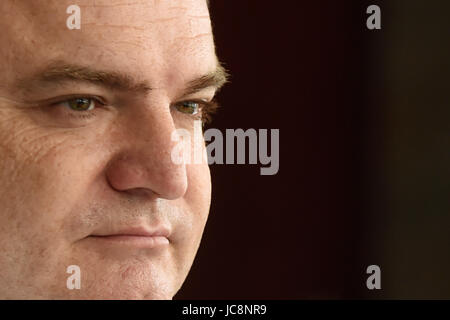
(86, 120)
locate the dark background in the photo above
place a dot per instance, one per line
(364, 153)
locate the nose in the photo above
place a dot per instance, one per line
(143, 165)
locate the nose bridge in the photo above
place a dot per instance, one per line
(145, 161)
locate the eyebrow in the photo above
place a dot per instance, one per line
(59, 72)
(216, 79)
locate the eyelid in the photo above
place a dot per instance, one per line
(61, 99)
(203, 103)
(199, 101)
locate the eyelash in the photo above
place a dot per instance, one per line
(206, 109)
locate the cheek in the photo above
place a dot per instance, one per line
(198, 199)
(199, 189)
(43, 173)
(191, 222)
(38, 174)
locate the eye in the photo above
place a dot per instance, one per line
(80, 104)
(188, 107)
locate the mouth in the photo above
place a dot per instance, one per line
(136, 237)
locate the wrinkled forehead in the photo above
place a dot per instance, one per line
(146, 34)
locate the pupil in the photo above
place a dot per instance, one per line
(81, 103)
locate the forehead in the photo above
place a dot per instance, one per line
(163, 39)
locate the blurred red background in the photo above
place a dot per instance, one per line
(364, 153)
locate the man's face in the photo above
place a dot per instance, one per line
(86, 123)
